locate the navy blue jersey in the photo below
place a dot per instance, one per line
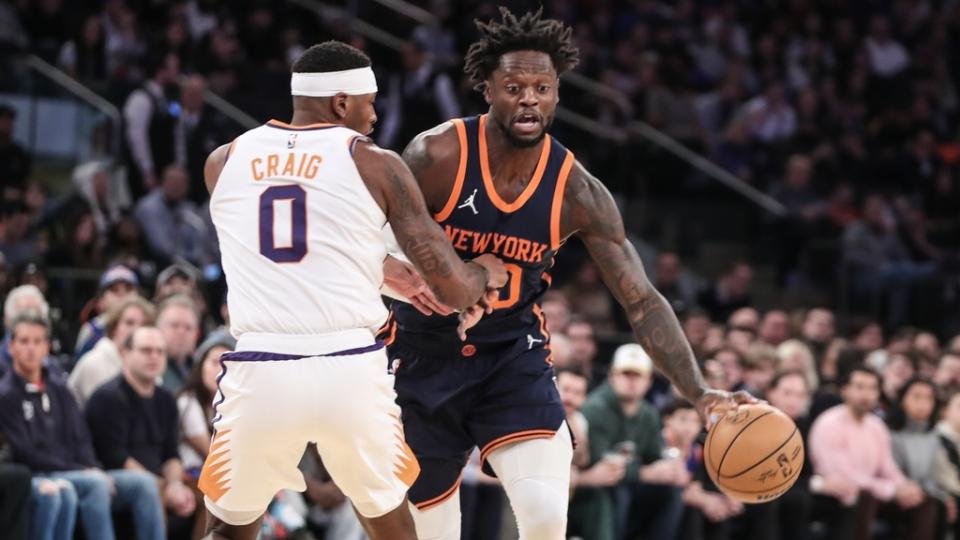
(524, 233)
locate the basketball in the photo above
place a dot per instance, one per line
(754, 454)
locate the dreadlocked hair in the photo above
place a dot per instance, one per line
(530, 32)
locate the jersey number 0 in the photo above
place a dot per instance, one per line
(296, 248)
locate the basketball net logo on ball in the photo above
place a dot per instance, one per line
(754, 453)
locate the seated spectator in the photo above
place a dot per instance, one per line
(730, 292)
(916, 446)
(173, 224)
(745, 318)
(103, 362)
(668, 277)
(195, 401)
(818, 328)
(850, 442)
(899, 368)
(556, 311)
(794, 355)
(20, 301)
(696, 323)
(947, 375)
(134, 423)
(774, 327)
(179, 322)
(707, 511)
(47, 434)
(759, 367)
(15, 162)
(732, 363)
(583, 348)
(117, 284)
(880, 260)
(621, 422)
(592, 298)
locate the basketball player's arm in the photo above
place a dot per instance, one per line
(590, 212)
(456, 283)
(214, 165)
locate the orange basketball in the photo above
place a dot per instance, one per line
(754, 454)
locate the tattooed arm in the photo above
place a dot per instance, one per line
(590, 212)
(456, 283)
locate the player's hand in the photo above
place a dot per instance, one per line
(472, 315)
(403, 278)
(496, 272)
(714, 404)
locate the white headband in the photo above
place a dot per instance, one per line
(352, 82)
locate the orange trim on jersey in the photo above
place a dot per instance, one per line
(515, 437)
(386, 325)
(557, 206)
(212, 480)
(548, 278)
(442, 215)
(406, 468)
(285, 125)
(531, 188)
(442, 497)
(543, 330)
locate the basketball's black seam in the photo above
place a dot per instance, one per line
(787, 481)
(748, 469)
(734, 439)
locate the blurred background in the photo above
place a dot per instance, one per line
(789, 171)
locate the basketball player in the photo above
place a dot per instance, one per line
(498, 184)
(299, 210)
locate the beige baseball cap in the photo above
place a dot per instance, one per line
(631, 357)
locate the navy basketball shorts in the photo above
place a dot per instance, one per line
(456, 397)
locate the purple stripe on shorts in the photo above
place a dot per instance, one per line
(256, 356)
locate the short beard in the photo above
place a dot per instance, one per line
(524, 143)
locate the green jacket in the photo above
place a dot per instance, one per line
(609, 426)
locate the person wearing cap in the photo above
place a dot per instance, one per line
(623, 424)
(117, 284)
(103, 362)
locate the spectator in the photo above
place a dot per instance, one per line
(417, 98)
(560, 350)
(730, 292)
(592, 298)
(745, 318)
(150, 123)
(669, 279)
(199, 131)
(849, 441)
(583, 348)
(696, 324)
(899, 368)
(947, 376)
(178, 321)
(882, 264)
(759, 367)
(46, 431)
(25, 300)
(731, 361)
(572, 384)
(17, 243)
(794, 355)
(818, 328)
(707, 512)
(173, 225)
(774, 327)
(621, 421)
(916, 446)
(85, 56)
(134, 422)
(556, 311)
(117, 283)
(888, 58)
(104, 362)
(770, 116)
(195, 401)
(14, 160)
(926, 344)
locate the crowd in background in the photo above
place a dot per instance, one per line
(846, 113)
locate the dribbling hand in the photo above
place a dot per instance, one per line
(714, 404)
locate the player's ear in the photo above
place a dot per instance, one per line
(339, 104)
(487, 93)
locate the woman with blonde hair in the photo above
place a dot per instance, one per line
(794, 354)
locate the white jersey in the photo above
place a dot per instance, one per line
(300, 234)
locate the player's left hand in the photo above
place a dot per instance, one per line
(403, 278)
(713, 404)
